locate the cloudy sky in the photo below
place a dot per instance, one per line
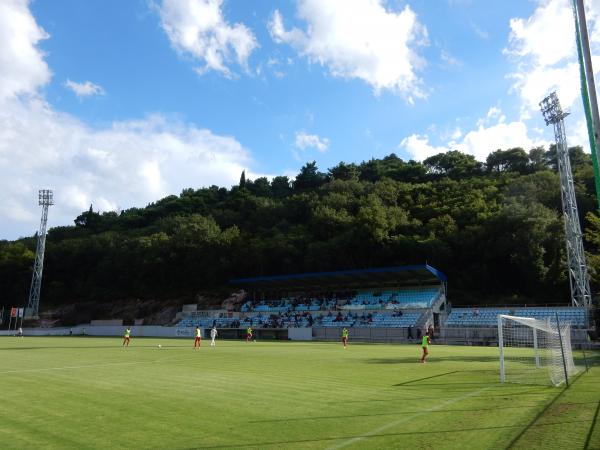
(119, 103)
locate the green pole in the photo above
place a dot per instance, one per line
(586, 103)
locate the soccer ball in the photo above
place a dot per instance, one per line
(159, 346)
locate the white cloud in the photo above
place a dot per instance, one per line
(543, 49)
(198, 28)
(129, 163)
(449, 60)
(493, 115)
(484, 140)
(22, 66)
(456, 134)
(483, 34)
(548, 36)
(419, 148)
(84, 89)
(304, 141)
(479, 142)
(359, 39)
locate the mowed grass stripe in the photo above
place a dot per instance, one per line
(262, 395)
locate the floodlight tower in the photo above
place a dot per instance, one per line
(46, 198)
(578, 273)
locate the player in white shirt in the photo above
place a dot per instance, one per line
(213, 335)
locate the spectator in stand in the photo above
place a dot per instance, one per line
(475, 312)
(409, 335)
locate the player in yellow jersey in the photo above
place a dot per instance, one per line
(126, 337)
(198, 338)
(425, 344)
(345, 334)
(249, 334)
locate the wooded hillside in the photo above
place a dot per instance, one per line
(494, 228)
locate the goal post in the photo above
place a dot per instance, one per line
(534, 351)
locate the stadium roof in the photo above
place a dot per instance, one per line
(399, 276)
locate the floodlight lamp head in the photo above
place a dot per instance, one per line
(551, 109)
(46, 197)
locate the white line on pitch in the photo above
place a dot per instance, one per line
(406, 419)
(170, 358)
(75, 367)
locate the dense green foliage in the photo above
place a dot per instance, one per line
(76, 393)
(495, 228)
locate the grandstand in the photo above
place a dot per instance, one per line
(398, 298)
(488, 317)
(390, 304)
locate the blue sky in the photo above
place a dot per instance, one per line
(119, 103)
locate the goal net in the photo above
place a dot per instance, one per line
(534, 351)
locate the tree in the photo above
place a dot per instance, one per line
(578, 158)
(309, 177)
(260, 187)
(280, 187)
(243, 180)
(512, 160)
(371, 170)
(538, 160)
(453, 164)
(343, 171)
(88, 219)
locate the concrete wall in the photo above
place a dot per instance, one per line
(104, 323)
(460, 336)
(88, 330)
(363, 334)
(300, 334)
(295, 334)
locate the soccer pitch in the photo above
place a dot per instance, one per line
(72, 392)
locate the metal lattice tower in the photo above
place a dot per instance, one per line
(45, 200)
(578, 273)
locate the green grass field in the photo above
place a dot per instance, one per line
(72, 392)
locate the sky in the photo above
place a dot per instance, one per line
(120, 103)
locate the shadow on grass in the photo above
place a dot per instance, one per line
(397, 413)
(534, 422)
(433, 359)
(373, 435)
(427, 378)
(588, 439)
(542, 390)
